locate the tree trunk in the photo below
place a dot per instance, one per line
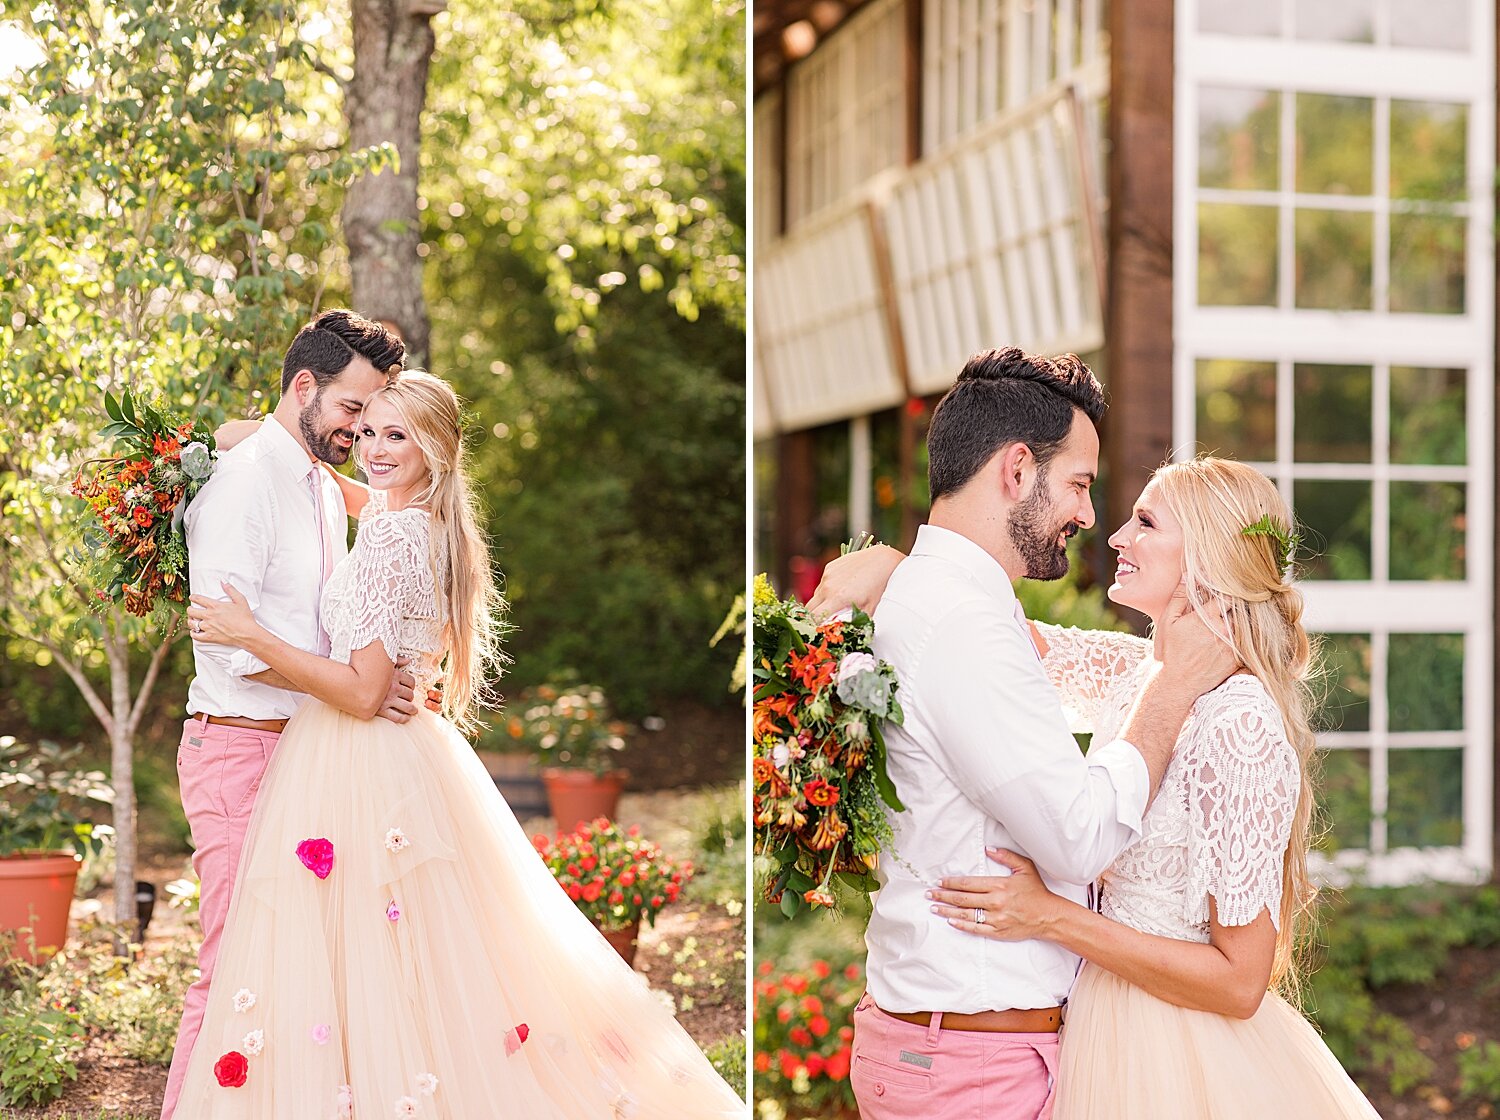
(393, 43)
(122, 777)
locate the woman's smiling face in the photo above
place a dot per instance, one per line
(388, 454)
(1150, 565)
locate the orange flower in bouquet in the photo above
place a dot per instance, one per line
(821, 791)
(135, 500)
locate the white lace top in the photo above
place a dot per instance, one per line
(386, 590)
(1220, 824)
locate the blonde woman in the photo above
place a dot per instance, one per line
(1171, 1017)
(395, 945)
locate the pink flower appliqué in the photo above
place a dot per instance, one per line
(321, 1034)
(392, 911)
(317, 856)
(514, 1037)
(344, 1099)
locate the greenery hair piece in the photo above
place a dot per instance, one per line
(1286, 540)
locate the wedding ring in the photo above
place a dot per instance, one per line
(978, 916)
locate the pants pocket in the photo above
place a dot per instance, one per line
(243, 766)
(888, 1089)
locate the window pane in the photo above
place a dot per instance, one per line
(1333, 259)
(1236, 255)
(1429, 150)
(1428, 419)
(1237, 408)
(1426, 803)
(1345, 706)
(1427, 263)
(1347, 21)
(1432, 24)
(1335, 144)
(1235, 17)
(1426, 687)
(1239, 138)
(1427, 530)
(1343, 789)
(1336, 517)
(1331, 422)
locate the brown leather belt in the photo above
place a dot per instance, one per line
(1021, 1020)
(275, 726)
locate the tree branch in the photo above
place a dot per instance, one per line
(76, 674)
(148, 682)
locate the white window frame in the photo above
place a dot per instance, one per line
(1378, 607)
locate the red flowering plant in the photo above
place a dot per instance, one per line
(803, 1035)
(136, 499)
(821, 790)
(613, 875)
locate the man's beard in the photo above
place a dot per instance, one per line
(322, 444)
(1034, 534)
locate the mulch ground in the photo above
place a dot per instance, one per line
(1463, 1009)
(690, 944)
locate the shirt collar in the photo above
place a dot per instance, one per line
(959, 549)
(285, 449)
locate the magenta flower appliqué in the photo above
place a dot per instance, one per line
(392, 911)
(321, 1034)
(514, 1037)
(317, 856)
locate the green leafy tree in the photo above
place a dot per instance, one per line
(584, 180)
(165, 200)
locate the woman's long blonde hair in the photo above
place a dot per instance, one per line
(466, 587)
(1249, 576)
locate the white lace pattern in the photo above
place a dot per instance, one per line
(1221, 821)
(385, 590)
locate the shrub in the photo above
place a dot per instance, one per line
(612, 875)
(804, 1034)
(728, 1058)
(567, 726)
(39, 1046)
(1479, 1071)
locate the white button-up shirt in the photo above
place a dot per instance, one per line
(253, 526)
(984, 758)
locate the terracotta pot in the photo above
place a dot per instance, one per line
(578, 796)
(36, 889)
(624, 940)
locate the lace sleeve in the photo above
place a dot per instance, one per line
(1086, 665)
(1243, 781)
(375, 504)
(383, 577)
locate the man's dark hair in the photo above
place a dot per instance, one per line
(328, 344)
(1006, 396)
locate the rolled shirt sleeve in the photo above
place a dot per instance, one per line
(1003, 737)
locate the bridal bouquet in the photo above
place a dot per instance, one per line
(821, 787)
(134, 542)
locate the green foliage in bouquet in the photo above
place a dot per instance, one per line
(821, 786)
(134, 543)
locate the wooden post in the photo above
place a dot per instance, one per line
(796, 500)
(1137, 431)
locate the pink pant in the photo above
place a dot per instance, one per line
(901, 1071)
(218, 772)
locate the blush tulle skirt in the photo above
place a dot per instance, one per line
(1126, 1055)
(437, 971)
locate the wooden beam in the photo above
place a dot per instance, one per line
(1137, 431)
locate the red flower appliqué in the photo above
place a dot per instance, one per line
(232, 1069)
(317, 856)
(514, 1037)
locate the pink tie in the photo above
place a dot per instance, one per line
(325, 554)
